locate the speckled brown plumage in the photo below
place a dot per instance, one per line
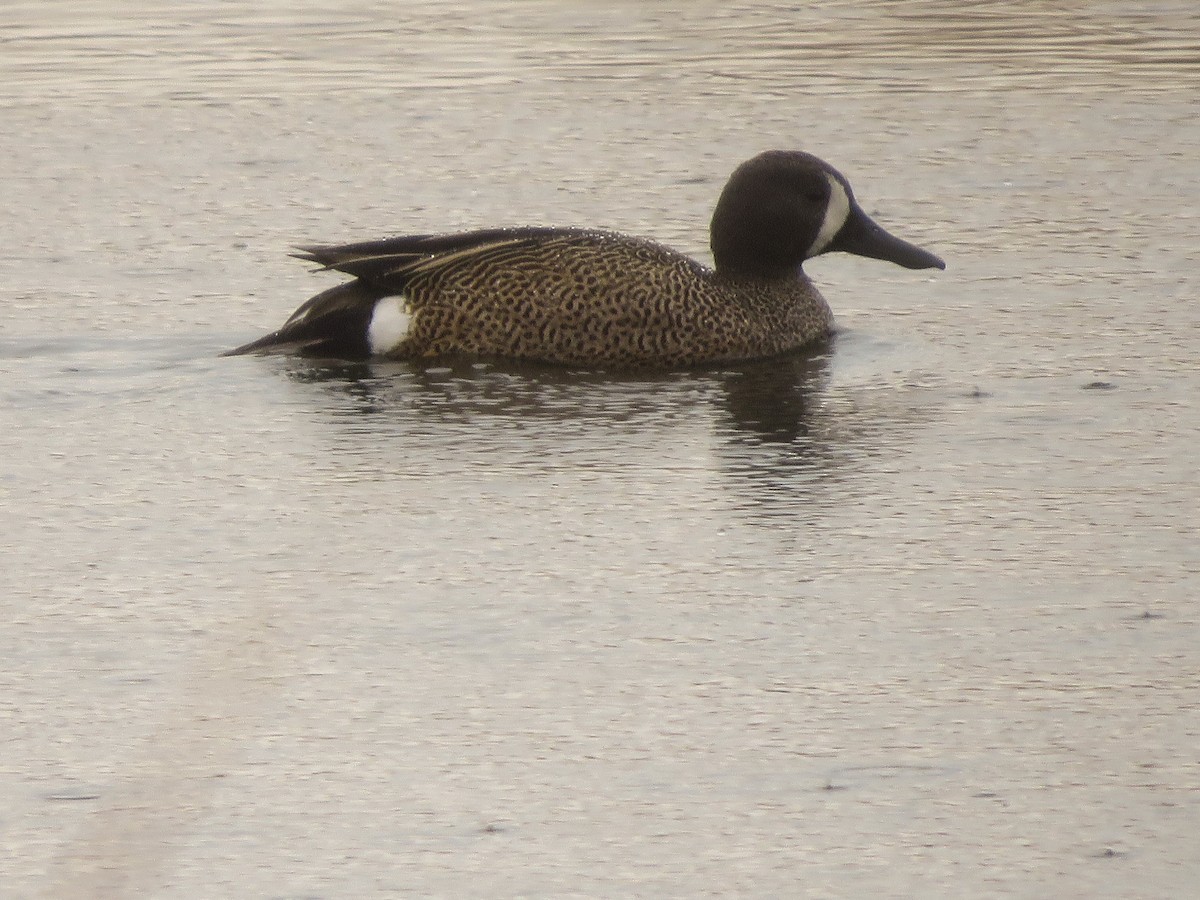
(586, 297)
(602, 298)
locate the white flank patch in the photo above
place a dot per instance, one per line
(837, 210)
(389, 325)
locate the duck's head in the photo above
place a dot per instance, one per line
(783, 207)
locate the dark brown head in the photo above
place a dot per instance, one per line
(783, 207)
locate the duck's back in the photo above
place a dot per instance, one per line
(592, 297)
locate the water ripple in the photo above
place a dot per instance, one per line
(226, 51)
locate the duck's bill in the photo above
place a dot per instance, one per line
(864, 237)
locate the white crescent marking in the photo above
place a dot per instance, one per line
(837, 210)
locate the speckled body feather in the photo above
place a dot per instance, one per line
(591, 297)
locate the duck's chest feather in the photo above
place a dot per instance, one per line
(604, 298)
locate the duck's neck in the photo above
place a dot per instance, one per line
(780, 278)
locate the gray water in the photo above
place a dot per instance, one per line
(914, 616)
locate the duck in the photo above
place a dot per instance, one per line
(597, 298)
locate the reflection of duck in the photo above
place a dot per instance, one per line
(600, 298)
(771, 401)
(763, 401)
(765, 430)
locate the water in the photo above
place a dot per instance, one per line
(912, 617)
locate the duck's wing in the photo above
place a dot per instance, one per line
(389, 263)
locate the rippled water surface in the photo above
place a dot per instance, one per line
(914, 615)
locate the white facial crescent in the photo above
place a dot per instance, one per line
(837, 210)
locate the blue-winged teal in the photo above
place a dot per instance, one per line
(596, 297)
